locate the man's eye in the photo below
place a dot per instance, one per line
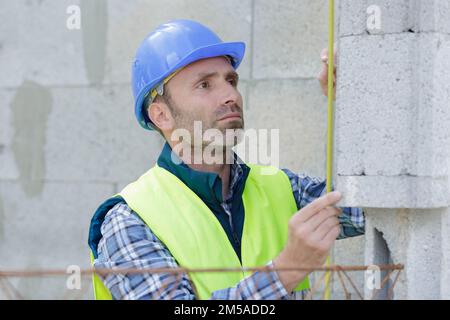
(204, 84)
(233, 82)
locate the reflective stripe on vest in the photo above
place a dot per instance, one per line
(194, 236)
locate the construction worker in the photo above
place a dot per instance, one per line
(208, 215)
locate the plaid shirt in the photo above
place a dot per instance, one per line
(127, 242)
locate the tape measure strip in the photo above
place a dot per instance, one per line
(327, 292)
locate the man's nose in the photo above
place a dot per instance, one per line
(231, 97)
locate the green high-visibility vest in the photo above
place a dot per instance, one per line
(194, 236)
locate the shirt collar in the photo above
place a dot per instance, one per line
(207, 185)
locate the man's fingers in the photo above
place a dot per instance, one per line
(318, 204)
(325, 227)
(331, 236)
(322, 202)
(317, 220)
(324, 55)
(323, 76)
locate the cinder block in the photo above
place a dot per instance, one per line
(445, 262)
(47, 231)
(379, 134)
(8, 167)
(425, 254)
(288, 38)
(297, 109)
(434, 16)
(393, 191)
(412, 238)
(129, 22)
(370, 125)
(36, 45)
(356, 16)
(394, 16)
(352, 17)
(439, 97)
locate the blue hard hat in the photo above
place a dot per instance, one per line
(171, 46)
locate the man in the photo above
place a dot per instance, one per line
(224, 214)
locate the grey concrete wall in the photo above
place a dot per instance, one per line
(393, 136)
(68, 137)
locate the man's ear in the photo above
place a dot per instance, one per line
(160, 115)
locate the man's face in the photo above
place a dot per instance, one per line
(206, 91)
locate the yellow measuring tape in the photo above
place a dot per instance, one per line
(327, 292)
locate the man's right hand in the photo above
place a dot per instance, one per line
(311, 234)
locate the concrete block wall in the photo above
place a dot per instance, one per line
(392, 136)
(68, 137)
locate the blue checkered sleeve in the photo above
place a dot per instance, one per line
(306, 188)
(127, 242)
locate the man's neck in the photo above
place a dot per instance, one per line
(222, 169)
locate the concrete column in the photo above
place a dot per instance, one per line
(392, 135)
